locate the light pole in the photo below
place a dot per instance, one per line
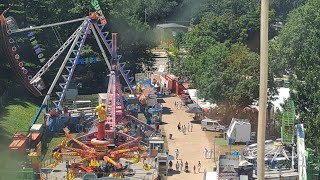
(263, 88)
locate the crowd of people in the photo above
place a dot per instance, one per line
(178, 104)
(180, 165)
(208, 153)
(184, 128)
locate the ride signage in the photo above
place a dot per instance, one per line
(228, 167)
(228, 172)
(96, 6)
(36, 47)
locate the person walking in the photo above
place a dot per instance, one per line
(188, 127)
(210, 153)
(177, 166)
(177, 154)
(191, 126)
(180, 104)
(199, 166)
(170, 164)
(186, 166)
(185, 129)
(181, 165)
(179, 126)
(205, 152)
(194, 169)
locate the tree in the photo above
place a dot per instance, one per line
(297, 50)
(224, 73)
(210, 53)
(282, 8)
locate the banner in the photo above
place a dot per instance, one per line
(36, 47)
(90, 60)
(228, 167)
(96, 6)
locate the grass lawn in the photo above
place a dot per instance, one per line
(221, 142)
(16, 115)
(223, 146)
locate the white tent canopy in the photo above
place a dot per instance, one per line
(201, 102)
(283, 94)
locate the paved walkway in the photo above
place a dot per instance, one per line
(191, 145)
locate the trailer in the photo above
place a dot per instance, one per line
(239, 130)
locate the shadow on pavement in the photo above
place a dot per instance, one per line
(163, 123)
(166, 110)
(218, 135)
(161, 101)
(195, 122)
(172, 172)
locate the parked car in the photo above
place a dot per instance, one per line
(212, 125)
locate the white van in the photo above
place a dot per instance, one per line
(212, 125)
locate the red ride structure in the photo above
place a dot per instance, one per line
(9, 51)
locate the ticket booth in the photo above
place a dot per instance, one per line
(156, 145)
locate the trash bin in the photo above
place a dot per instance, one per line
(214, 169)
(170, 136)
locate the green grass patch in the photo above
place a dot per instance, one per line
(221, 142)
(17, 115)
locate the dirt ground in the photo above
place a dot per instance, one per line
(191, 145)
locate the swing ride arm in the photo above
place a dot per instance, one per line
(44, 102)
(44, 26)
(56, 55)
(101, 48)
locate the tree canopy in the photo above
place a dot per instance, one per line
(220, 52)
(296, 51)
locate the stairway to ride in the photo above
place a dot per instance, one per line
(287, 128)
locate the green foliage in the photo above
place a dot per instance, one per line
(296, 49)
(214, 54)
(17, 116)
(135, 38)
(282, 8)
(218, 63)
